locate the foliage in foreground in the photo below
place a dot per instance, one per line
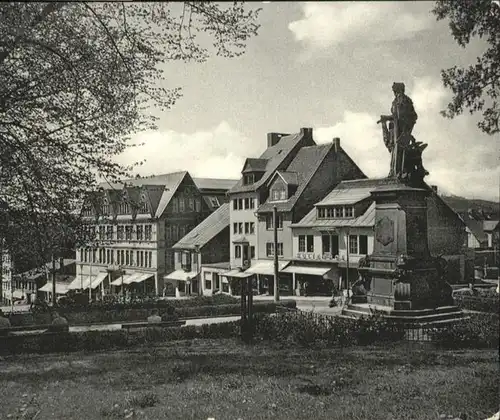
(479, 331)
(475, 88)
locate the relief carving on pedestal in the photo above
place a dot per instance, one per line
(384, 231)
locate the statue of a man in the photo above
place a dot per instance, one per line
(397, 137)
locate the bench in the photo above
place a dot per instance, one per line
(146, 324)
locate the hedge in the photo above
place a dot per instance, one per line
(109, 340)
(123, 315)
(479, 331)
(114, 302)
(478, 303)
(307, 328)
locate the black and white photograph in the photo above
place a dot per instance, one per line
(250, 210)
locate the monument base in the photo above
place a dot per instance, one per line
(421, 317)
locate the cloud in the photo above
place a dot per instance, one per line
(458, 157)
(217, 153)
(326, 25)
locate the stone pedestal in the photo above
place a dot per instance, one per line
(401, 274)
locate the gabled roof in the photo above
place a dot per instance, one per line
(254, 165)
(304, 165)
(367, 219)
(166, 186)
(490, 225)
(214, 183)
(476, 228)
(206, 230)
(274, 155)
(291, 178)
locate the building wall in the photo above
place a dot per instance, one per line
(242, 216)
(284, 236)
(208, 277)
(447, 234)
(6, 277)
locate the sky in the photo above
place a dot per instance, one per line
(329, 66)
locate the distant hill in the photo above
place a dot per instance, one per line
(481, 208)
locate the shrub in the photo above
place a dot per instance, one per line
(308, 328)
(479, 331)
(480, 303)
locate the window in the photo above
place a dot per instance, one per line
(339, 211)
(181, 285)
(175, 232)
(195, 258)
(349, 212)
(81, 254)
(280, 249)
(109, 232)
(148, 232)
(235, 204)
(108, 256)
(251, 203)
(240, 203)
(248, 179)
(302, 243)
(182, 205)
(363, 244)
(191, 204)
(216, 280)
(252, 252)
(168, 233)
(353, 244)
(237, 251)
(175, 205)
(179, 257)
(269, 249)
(150, 262)
(139, 232)
(247, 227)
(120, 231)
(127, 258)
(278, 194)
(197, 205)
(270, 222)
(101, 256)
(182, 231)
(208, 284)
(252, 228)
(310, 243)
(326, 243)
(235, 228)
(101, 232)
(128, 233)
(94, 255)
(240, 227)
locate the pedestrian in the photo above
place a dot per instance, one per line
(4, 324)
(154, 318)
(59, 323)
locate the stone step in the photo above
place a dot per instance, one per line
(366, 308)
(410, 319)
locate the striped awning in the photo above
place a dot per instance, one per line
(266, 267)
(237, 273)
(305, 269)
(61, 288)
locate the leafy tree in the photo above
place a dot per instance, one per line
(476, 88)
(78, 78)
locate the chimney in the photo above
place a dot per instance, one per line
(336, 144)
(61, 265)
(306, 131)
(274, 138)
(434, 188)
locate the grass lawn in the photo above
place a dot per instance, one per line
(223, 379)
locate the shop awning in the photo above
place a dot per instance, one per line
(266, 267)
(181, 275)
(139, 278)
(18, 294)
(97, 280)
(307, 269)
(80, 282)
(118, 281)
(61, 288)
(237, 273)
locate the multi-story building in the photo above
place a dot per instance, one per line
(291, 175)
(329, 241)
(206, 244)
(135, 224)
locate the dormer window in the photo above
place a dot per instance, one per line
(248, 179)
(335, 212)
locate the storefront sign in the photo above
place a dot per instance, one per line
(327, 256)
